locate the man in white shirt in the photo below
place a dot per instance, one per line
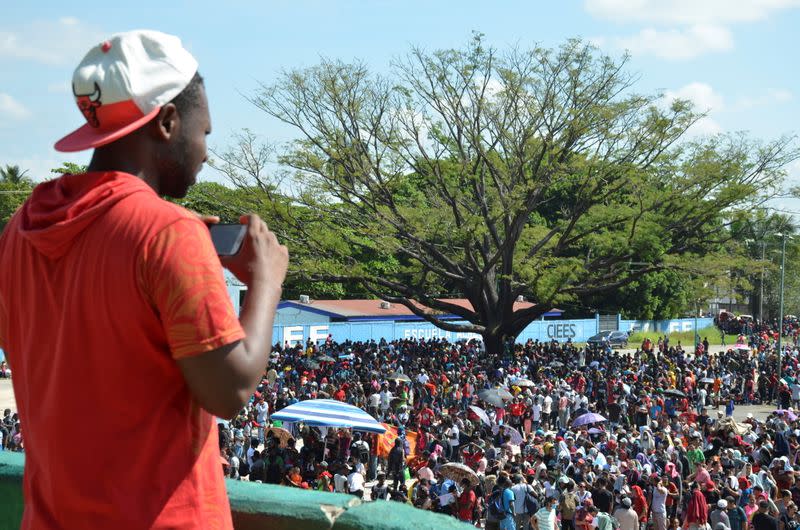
(536, 414)
(659, 504)
(547, 409)
(252, 449)
(374, 403)
(262, 413)
(355, 483)
(386, 399)
(422, 378)
(701, 398)
(340, 484)
(454, 439)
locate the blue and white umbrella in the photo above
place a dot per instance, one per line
(329, 413)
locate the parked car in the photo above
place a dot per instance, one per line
(613, 338)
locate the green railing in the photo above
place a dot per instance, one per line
(266, 507)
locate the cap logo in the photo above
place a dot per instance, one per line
(88, 104)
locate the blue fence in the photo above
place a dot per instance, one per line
(666, 326)
(542, 330)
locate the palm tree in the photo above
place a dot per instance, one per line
(14, 175)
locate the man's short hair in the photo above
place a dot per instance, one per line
(763, 505)
(189, 96)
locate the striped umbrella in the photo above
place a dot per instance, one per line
(329, 413)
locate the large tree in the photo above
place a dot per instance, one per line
(538, 173)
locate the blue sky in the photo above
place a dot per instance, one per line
(733, 58)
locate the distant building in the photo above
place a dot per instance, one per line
(306, 311)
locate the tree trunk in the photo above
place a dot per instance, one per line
(493, 342)
(495, 337)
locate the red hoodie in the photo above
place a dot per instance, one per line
(103, 285)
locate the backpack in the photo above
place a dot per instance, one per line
(531, 504)
(496, 506)
(568, 505)
(362, 452)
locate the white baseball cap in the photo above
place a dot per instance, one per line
(123, 82)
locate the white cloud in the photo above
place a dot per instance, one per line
(11, 109)
(61, 43)
(771, 97)
(702, 95)
(675, 44)
(705, 126)
(687, 12)
(705, 100)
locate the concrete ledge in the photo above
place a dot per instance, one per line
(11, 466)
(265, 507)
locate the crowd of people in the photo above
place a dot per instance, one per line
(543, 434)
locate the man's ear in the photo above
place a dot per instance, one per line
(167, 122)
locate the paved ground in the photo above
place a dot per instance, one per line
(7, 395)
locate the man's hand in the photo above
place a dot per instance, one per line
(223, 379)
(207, 219)
(261, 258)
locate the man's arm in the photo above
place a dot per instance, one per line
(223, 379)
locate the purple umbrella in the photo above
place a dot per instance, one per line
(788, 414)
(516, 437)
(588, 418)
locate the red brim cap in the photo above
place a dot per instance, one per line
(118, 119)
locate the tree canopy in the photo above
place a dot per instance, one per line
(15, 186)
(538, 173)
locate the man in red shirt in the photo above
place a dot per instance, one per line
(113, 305)
(466, 501)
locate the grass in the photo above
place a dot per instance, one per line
(686, 338)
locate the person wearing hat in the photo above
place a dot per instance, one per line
(719, 516)
(121, 285)
(380, 490)
(626, 515)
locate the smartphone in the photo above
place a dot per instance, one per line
(227, 238)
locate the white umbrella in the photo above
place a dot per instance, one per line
(329, 413)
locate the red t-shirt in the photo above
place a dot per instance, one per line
(103, 285)
(466, 505)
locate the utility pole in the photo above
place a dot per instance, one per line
(696, 332)
(780, 318)
(761, 285)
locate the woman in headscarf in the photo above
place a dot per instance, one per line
(696, 516)
(646, 467)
